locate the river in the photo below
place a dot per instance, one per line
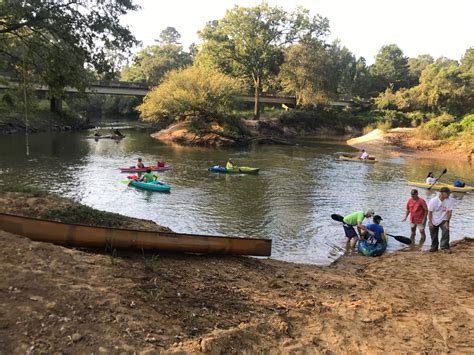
(290, 201)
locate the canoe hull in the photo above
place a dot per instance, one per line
(86, 236)
(238, 170)
(157, 186)
(370, 249)
(438, 186)
(142, 170)
(367, 161)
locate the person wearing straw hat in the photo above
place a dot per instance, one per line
(440, 211)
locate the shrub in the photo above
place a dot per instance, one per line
(192, 92)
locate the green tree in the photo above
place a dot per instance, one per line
(152, 63)
(194, 92)
(60, 38)
(248, 42)
(169, 36)
(390, 68)
(416, 66)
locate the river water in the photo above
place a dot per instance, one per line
(290, 201)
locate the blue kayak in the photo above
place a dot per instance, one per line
(368, 249)
(152, 186)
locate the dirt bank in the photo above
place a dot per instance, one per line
(403, 141)
(59, 300)
(268, 131)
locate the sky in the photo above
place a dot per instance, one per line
(436, 27)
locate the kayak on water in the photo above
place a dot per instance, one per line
(368, 249)
(235, 170)
(371, 160)
(108, 136)
(133, 169)
(439, 185)
(151, 186)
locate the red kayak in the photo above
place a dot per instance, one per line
(133, 169)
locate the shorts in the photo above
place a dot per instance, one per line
(420, 226)
(350, 231)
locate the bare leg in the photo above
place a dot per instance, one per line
(353, 242)
(413, 233)
(422, 237)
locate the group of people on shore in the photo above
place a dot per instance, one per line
(437, 213)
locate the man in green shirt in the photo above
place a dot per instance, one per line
(148, 176)
(355, 220)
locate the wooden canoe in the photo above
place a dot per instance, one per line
(87, 236)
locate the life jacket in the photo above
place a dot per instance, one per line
(458, 183)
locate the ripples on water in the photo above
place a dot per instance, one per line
(290, 201)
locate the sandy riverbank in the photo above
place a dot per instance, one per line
(403, 141)
(55, 299)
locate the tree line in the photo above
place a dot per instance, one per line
(250, 49)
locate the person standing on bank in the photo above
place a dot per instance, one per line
(440, 210)
(418, 210)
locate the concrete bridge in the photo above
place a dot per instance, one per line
(127, 88)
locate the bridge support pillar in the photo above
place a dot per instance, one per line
(56, 105)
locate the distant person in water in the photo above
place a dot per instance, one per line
(116, 132)
(140, 164)
(430, 179)
(418, 210)
(355, 220)
(230, 164)
(364, 155)
(148, 176)
(96, 133)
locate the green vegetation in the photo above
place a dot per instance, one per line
(249, 42)
(259, 49)
(81, 214)
(195, 92)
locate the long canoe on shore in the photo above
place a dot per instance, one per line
(439, 185)
(87, 236)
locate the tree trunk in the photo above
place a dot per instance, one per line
(256, 109)
(56, 105)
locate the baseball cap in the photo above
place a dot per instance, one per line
(377, 217)
(445, 189)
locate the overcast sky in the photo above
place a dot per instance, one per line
(440, 28)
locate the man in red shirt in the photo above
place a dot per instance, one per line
(418, 211)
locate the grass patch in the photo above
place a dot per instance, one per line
(87, 215)
(34, 191)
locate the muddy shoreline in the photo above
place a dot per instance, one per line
(57, 299)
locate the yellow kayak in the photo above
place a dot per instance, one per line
(347, 158)
(438, 186)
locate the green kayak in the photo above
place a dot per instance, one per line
(236, 170)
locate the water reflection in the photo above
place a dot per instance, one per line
(290, 201)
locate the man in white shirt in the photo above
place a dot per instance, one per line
(440, 210)
(364, 155)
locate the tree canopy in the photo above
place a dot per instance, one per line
(59, 39)
(248, 42)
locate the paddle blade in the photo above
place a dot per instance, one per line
(126, 182)
(401, 239)
(337, 217)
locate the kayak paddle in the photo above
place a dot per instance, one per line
(444, 172)
(401, 239)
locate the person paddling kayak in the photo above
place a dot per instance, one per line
(139, 164)
(364, 155)
(355, 220)
(148, 176)
(230, 164)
